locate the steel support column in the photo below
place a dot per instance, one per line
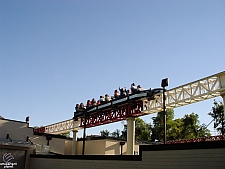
(130, 135)
(222, 94)
(75, 133)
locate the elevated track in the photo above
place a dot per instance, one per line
(199, 90)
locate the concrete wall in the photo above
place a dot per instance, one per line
(185, 159)
(206, 155)
(19, 131)
(113, 147)
(68, 147)
(92, 147)
(57, 145)
(103, 147)
(16, 130)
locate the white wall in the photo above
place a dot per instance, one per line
(16, 130)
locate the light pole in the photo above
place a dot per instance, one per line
(84, 133)
(83, 111)
(164, 83)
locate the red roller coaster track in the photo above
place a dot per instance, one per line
(114, 114)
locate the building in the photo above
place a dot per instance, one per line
(20, 140)
(21, 147)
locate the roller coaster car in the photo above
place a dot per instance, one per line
(151, 94)
(138, 94)
(154, 93)
(119, 100)
(78, 113)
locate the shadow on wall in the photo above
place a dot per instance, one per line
(113, 147)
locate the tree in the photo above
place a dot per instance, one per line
(191, 127)
(158, 125)
(124, 132)
(116, 133)
(35, 127)
(142, 130)
(203, 131)
(67, 134)
(181, 128)
(104, 133)
(217, 114)
(174, 132)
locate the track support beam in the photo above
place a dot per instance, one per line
(130, 135)
(75, 133)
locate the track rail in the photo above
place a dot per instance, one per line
(64, 127)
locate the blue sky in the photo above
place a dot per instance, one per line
(54, 54)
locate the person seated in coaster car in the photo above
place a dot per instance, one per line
(77, 107)
(154, 93)
(107, 98)
(116, 94)
(139, 88)
(93, 102)
(79, 110)
(122, 91)
(88, 104)
(98, 102)
(133, 88)
(128, 92)
(102, 99)
(82, 106)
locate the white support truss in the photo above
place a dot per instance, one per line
(63, 127)
(206, 88)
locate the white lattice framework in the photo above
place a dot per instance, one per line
(203, 89)
(63, 127)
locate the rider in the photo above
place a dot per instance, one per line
(93, 102)
(89, 103)
(133, 88)
(116, 94)
(122, 91)
(139, 88)
(107, 98)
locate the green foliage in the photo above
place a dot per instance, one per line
(66, 134)
(191, 125)
(104, 133)
(142, 130)
(217, 113)
(116, 134)
(181, 128)
(158, 125)
(124, 132)
(35, 127)
(192, 129)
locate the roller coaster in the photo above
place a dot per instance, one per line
(122, 100)
(141, 103)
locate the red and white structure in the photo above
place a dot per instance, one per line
(199, 90)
